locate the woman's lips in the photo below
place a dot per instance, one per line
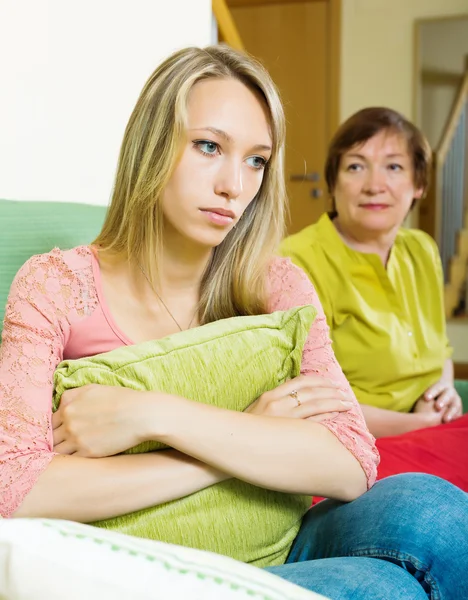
(374, 206)
(218, 218)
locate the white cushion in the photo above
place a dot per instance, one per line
(53, 559)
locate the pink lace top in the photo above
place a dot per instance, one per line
(56, 310)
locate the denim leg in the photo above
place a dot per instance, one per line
(416, 521)
(352, 579)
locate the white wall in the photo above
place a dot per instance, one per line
(378, 50)
(70, 74)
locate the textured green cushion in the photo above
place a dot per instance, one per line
(462, 389)
(29, 228)
(227, 364)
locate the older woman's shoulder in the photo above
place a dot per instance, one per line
(307, 239)
(417, 240)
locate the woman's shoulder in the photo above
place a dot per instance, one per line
(57, 262)
(282, 269)
(308, 239)
(288, 284)
(60, 278)
(417, 240)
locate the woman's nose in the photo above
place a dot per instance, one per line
(375, 181)
(229, 182)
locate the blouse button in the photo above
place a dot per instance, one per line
(410, 333)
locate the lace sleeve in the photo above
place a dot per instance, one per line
(289, 287)
(35, 332)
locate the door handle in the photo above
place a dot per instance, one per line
(314, 176)
(316, 193)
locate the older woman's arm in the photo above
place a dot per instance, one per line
(443, 395)
(440, 403)
(383, 423)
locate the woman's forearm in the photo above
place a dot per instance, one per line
(448, 371)
(289, 455)
(87, 489)
(383, 423)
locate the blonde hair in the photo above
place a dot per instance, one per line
(234, 281)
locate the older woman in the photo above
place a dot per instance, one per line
(380, 284)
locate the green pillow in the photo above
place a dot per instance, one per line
(227, 364)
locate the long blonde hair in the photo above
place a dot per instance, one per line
(234, 280)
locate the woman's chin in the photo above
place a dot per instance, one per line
(209, 239)
(379, 223)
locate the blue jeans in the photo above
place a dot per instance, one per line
(405, 539)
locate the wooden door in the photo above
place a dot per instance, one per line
(292, 40)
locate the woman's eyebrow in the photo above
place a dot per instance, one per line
(362, 157)
(354, 155)
(229, 138)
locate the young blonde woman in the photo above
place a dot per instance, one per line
(196, 214)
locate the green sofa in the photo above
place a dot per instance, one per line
(29, 228)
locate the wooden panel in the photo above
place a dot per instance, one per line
(227, 29)
(334, 64)
(438, 77)
(292, 41)
(428, 218)
(461, 370)
(250, 3)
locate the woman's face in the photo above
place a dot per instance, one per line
(375, 185)
(222, 165)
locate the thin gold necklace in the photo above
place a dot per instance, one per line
(163, 303)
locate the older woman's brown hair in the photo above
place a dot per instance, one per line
(368, 122)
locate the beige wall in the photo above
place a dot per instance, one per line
(378, 50)
(443, 46)
(458, 335)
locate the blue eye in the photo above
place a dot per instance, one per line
(257, 162)
(395, 167)
(354, 167)
(206, 147)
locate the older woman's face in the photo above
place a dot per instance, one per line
(375, 185)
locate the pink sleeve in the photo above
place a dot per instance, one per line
(34, 335)
(289, 287)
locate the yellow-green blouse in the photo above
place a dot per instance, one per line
(387, 324)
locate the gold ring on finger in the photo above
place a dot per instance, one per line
(294, 396)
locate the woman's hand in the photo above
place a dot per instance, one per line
(426, 413)
(304, 397)
(446, 400)
(99, 420)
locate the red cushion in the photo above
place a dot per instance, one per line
(441, 451)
